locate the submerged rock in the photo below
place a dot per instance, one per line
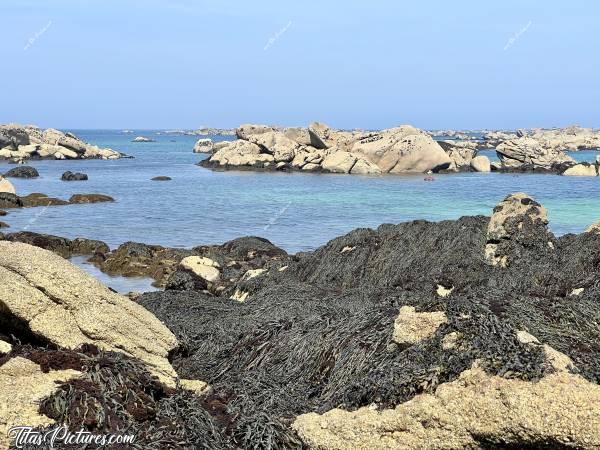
(90, 198)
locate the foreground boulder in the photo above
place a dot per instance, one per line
(19, 142)
(321, 149)
(63, 305)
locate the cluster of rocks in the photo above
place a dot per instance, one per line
(474, 333)
(320, 148)
(11, 200)
(201, 132)
(21, 142)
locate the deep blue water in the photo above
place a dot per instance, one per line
(296, 211)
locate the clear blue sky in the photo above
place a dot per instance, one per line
(370, 64)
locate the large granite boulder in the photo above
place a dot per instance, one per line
(403, 149)
(481, 163)
(277, 144)
(527, 153)
(64, 306)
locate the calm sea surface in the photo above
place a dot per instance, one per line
(295, 211)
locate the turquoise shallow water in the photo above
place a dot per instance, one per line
(296, 211)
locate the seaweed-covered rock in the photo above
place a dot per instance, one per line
(316, 332)
(90, 198)
(59, 245)
(70, 176)
(22, 172)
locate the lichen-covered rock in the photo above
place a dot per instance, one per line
(63, 305)
(204, 145)
(339, 162)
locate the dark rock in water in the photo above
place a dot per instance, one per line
(321, 332)
(60, 245)
(4, 225)
(37, 199)
(70, 176)
(161, 178)
(22, 172)
(3, 213)
(90, 198)
(8, 200)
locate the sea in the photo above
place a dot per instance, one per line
(296, 211)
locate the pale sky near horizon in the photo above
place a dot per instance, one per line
(351, 64)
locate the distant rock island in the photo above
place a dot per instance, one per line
(22, 142)
(403, 149)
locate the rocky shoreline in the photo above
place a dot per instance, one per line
(405, 149)
(475, 333)
(19, 143)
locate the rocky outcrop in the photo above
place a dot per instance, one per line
(70, 176)
(59, 245)
(19, 143)
(527, 154)
(203, 146)
(517, 215)
(63, 305)
(22, 172)
(322, 149)
(550, 140)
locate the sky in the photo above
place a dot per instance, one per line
(146, 64)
